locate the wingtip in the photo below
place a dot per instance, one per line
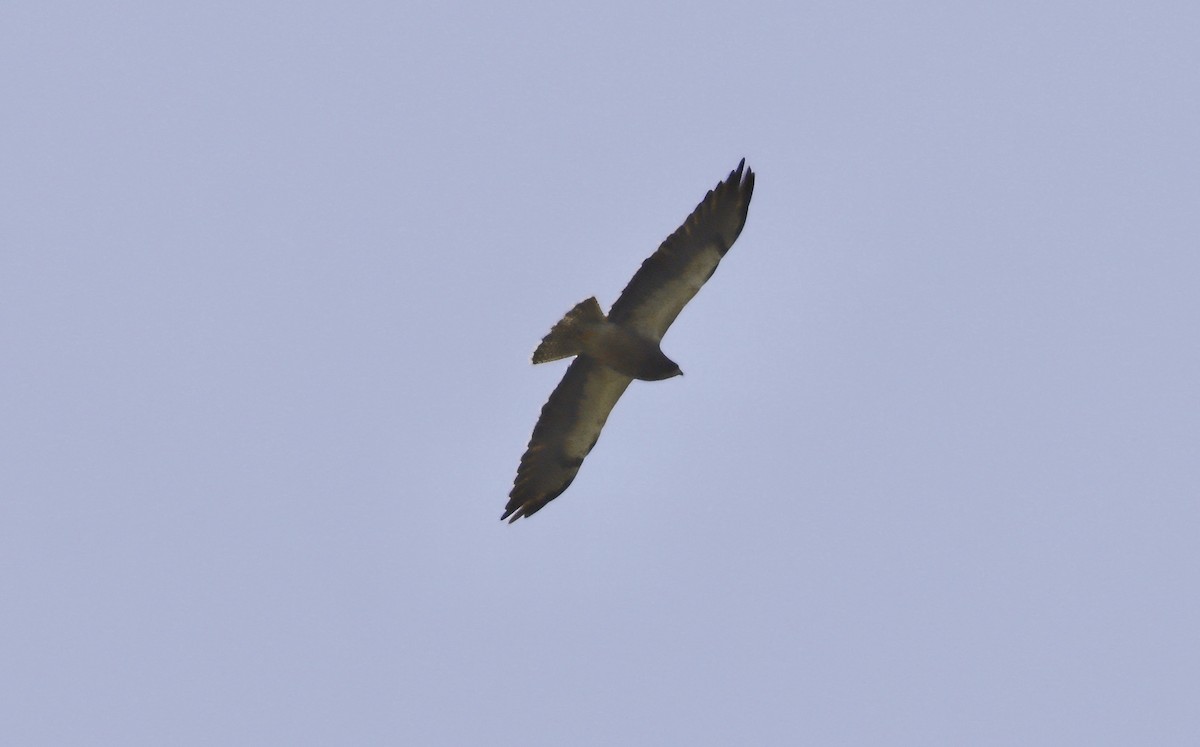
(512, 513)
(741, 176)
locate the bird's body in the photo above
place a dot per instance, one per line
(586, 331)
(612, 351)
(628, 353)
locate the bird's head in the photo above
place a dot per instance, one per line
(663, 368)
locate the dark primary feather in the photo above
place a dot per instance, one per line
(671, 276)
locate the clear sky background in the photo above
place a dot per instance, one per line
(271, 273)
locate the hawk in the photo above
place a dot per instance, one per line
(612, 351)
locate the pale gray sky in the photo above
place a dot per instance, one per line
(270, 275)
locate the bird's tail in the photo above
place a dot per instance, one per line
(566, 338)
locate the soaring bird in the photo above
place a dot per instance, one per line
(612, 351)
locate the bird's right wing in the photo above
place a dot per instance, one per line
(567, 430)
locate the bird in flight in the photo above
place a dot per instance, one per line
(612, 351)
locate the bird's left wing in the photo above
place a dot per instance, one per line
(567, 430)
(671, 276)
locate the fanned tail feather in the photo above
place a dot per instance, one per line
(565, 338)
